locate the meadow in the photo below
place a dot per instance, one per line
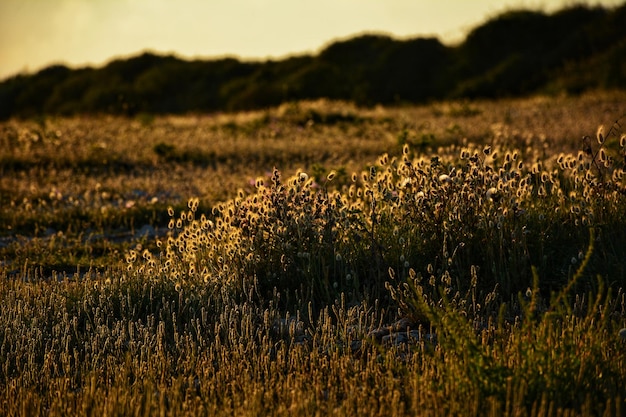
(317, 258)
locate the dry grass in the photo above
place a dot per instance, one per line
(487, 226)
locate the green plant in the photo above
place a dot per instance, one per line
(532, 353)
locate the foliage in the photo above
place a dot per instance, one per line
(503, 253)
(516, 53)
(486, 207)
(121, 344)
(546, 355)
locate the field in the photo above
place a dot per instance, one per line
(456, 258)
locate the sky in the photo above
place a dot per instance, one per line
(77, 33)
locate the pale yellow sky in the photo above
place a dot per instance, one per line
(37, 33)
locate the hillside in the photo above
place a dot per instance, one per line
(514, 54)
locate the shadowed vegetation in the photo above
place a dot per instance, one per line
(460, 258)
(519, 52)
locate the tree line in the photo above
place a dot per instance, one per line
(516, 53)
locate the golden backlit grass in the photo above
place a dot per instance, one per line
(120, 346)
(97, 176)
(282, 239)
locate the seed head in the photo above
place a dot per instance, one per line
(492, 193)
(600, 134)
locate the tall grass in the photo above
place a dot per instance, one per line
(121, 346)
(497, 209)
(504, 262)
